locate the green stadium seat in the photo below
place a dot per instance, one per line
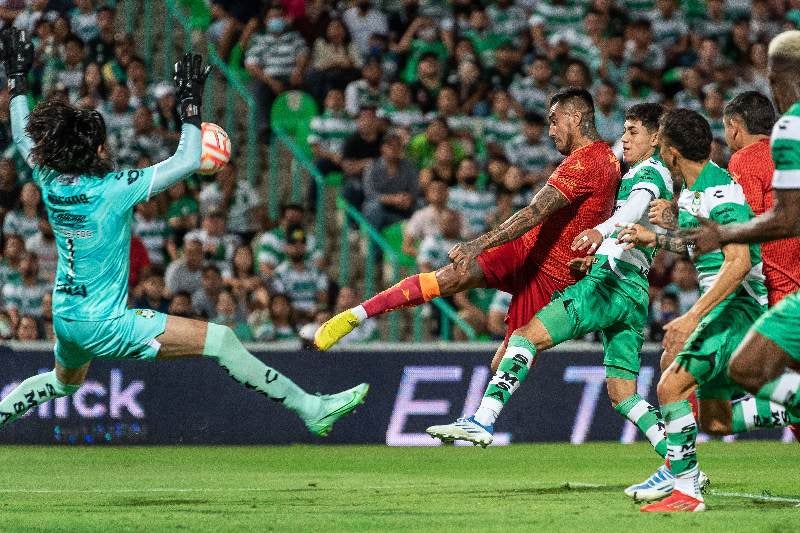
(393, 235)
(292, 112)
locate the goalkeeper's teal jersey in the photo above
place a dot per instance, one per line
(785, 146)
(91, 218)
(717, 197)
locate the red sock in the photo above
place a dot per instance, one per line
(410, 292)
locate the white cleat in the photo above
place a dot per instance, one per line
(466, 429)
(660, 485)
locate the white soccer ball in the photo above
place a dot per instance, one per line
(216, 149)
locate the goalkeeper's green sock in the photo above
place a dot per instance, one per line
(224, 347)
(33, 391)
(647, 418)
(511, 372)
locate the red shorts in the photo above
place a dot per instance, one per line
(509, 268)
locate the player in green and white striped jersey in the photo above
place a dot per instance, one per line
(705, 337)
(768, 361)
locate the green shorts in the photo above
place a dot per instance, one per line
(129, 336)
(781, 325)
(709, 349)
(603, 302)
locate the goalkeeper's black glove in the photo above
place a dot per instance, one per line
(190, 78)
(16, 51)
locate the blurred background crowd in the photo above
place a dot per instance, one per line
(433, 113)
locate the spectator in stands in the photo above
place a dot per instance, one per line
(391, 185)
(335, 60)
(26, 19)
(185, 273)
(276, 60)
(369, 91)
(28, 329)
(13, 249)
(484, 37)
(474, 205)
(496, 318)
(229, 313)
(139, 263)
(305, 285)
(664, 310)
(358, 152)
(471, 88)
(181, 305)
(236, 197)
(229, 19)
(10, 190)
(435, 246)
(505, 69)
(204, 299)
(691, 94)
(281, 325)
(183, 211)
(167, 119)
(684, 284)
(533, 153)
(83, 20)
(613, 64)
(533, 91)
(271, 248)
(67, 70)
(328, 134)
(422, 37)
(153, 291)
(23, 220)
(100, 49)
(640, 48)
(242, 280)
(713, 104)
(118, 115)
(43, 244)
(443, 167)
(22, 294)
(429, 82)
(609, 115)
(93, 90)
(218, 243)
(449, 108)
(138, 84)
(142, 140)
(425, 221)
(502, 125)
(46, 320)
(363, 21)
(400, 112)
(422, 148)
(151, 228)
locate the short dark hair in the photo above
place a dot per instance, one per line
(688, 132)
(648, 114)
(572, 94)
(755, 110)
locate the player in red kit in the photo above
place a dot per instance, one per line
(529, 254)
(748, 121)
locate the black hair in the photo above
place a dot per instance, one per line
(66, 139)
(688, 132)
(648, 114)
(755, 110)
(582, 100)
(533, 117)
(212, 268)
(291, 207)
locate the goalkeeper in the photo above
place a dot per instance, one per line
(90, 207)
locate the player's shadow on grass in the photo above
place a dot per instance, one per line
(561, 489)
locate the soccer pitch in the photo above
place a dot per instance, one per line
(373, 488)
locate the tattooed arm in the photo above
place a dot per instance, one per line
(631, 235)
(664, 213)
(546, 202)
(672, 242)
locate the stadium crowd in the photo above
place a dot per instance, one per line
(434, 111)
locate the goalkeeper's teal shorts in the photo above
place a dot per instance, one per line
(129, 336)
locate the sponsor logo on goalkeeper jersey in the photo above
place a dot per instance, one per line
(76, 199)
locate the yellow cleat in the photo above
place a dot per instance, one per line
(334, 329)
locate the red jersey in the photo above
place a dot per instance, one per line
(752, 167)
(589, 178)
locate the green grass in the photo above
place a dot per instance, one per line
(375, 488)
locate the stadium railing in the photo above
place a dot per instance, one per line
(234, 93)
(374, 242)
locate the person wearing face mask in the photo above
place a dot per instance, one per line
(276, 60)
(362, 22)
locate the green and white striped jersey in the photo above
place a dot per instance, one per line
(717, 197)
(650, 175)
(26, 299)
(785, 143)
(475, 207)
(330, 130)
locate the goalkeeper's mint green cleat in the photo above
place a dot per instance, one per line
(335, 406)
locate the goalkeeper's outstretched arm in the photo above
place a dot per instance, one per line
(19, 119)
(185, 160)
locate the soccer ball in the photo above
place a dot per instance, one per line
(216, 149)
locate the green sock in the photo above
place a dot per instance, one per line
(682, 446)
(224, 347)
(785, 390)
(647, 418)
(751, 413)
(511, 372)
(33, 391)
